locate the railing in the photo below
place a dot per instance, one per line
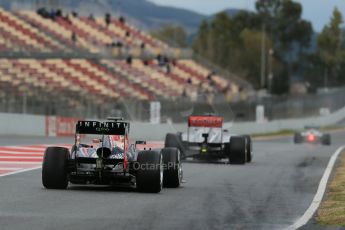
(176, 110)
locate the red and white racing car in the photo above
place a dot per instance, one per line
(206, 139)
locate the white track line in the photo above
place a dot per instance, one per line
(319, 194)
(2, 168)
(17, 152)
(29, 148)
(16, 157)
(20, 171)
(19, 162)
(24, 148)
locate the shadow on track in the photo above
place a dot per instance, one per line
(99, 188)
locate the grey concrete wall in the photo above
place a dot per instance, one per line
(21, 124)
(157, 132)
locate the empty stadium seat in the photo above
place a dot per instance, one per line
(95, 80)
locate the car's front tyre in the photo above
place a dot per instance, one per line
(173, 140)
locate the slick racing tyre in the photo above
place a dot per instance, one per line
(237, 150)
(249, 148)
(54, 169)
(326, 139)
(175, 141)
(172, 167)
(150, 172)
(297, 138)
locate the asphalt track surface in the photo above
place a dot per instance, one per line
(270, 193)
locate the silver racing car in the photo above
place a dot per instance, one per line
(312, 135)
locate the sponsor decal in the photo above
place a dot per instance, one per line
(107, 128)
(102, 125)
(205, 121)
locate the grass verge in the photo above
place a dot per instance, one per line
(332, 209)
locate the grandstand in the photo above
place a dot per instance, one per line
(81, 61)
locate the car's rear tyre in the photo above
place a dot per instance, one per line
(150, 172)
(172, 167)
(74, 150)
(326, 139)
(297, 138)
(173, 140)
(237, 150)
(249, 148)
(54, 168)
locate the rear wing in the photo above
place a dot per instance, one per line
(205, 121)
(106, 128)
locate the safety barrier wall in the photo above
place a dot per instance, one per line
(21, 124)
(157, 132)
